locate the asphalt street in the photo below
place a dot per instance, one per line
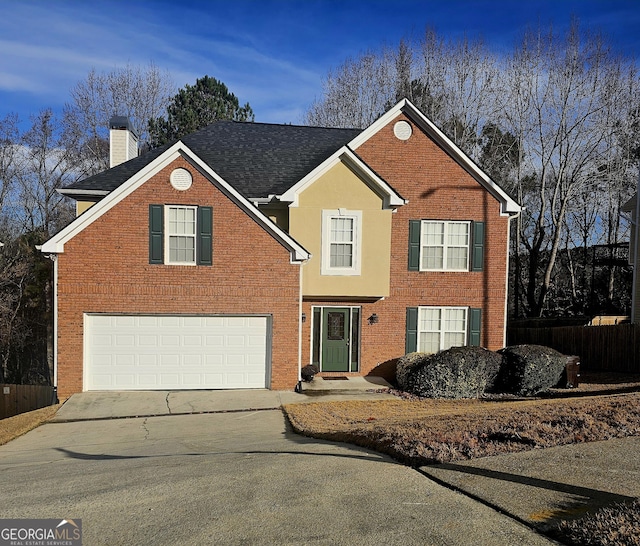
(233, 478)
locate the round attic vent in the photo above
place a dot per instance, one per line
(402, 130)
(181, 179)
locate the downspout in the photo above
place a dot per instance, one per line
(298, 387)
(507, 293)
(54, 257)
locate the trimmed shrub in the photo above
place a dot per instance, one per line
(460, 372)
(405, 367)
(529, 369)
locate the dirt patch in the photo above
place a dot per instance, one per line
(15, 426)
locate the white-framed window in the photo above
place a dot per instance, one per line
(440, 328)
(444, 246)
(341, 242)
(180, 234)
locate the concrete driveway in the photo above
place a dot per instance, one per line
(233, 478)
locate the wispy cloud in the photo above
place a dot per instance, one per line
(270, 53)
(59, 43)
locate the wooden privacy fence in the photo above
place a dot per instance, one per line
(600, 348)
(16, 399)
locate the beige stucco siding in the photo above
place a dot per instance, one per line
(82, 206)
(278, 214)
(341, 189)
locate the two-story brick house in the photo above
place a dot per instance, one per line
(234, 257)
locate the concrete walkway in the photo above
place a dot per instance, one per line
(89, 406)
(543, 486)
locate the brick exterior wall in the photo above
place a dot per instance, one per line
(105, 269)
(436, 188)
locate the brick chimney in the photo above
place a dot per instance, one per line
(123, 142)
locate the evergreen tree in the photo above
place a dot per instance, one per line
(195, 107)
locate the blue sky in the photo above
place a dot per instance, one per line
(273, 54)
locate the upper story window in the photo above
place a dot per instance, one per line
(341, 242)
(436, 245)
(180, 243)
(180, 235)
(444, 246)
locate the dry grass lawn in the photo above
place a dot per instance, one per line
(426, 431)
(15, 426)
(419, 432)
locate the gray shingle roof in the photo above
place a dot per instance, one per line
(258, 159)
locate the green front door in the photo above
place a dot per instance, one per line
(335, 339)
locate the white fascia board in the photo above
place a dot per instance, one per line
(507, 205)
(88, 193)
(345, 155)
(55, 245)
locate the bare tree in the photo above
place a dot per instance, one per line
(357, 93)
(9, 164)
(47, 164)
(571, 91)
(555, 122)
(140, 93)
(13, 331)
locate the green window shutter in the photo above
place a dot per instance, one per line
(156, 237)
(411, 341)
(414, 245)
(205, 236)
(477, 253)
(475, 320)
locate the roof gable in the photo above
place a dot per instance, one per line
(507, 205)
(390, 197)
(56, 244)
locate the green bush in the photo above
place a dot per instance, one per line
(460, 372)
(529, 369)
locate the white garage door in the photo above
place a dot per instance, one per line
(175, 352)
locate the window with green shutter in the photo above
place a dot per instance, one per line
(475, 323)
(411, 340)
(180, 235)
(414, 245)
(205, 236)
(156, 234)
(432, 329)
(477, 254)
(436, 245)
